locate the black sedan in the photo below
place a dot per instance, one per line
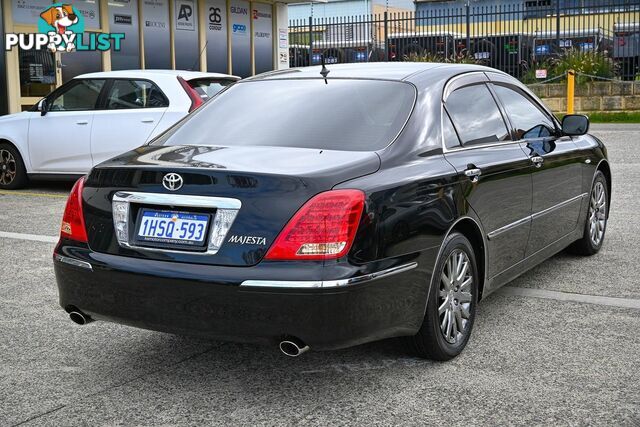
(314, 210)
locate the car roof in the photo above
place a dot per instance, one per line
(187, 75)
(373, 70)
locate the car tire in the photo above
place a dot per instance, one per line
(449, 301)
(595, 224)
(13, 174)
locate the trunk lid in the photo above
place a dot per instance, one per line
(271, 183)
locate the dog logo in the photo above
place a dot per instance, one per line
(172, 181)
(62, 19)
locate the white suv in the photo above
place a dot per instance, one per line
(95, 117)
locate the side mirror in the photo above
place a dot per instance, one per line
(42, 106)
(575, 125)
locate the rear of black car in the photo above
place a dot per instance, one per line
(241, 236)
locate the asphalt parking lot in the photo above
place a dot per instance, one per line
(560, 345)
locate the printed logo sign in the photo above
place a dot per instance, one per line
(215, 19)
(61, 28)
(185, 18)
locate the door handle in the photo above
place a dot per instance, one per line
(82, 122)
(473, 174)
(147, 120)
(537, 161)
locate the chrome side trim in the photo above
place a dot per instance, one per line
(226, 212)
(317, 284)
(558, 206)
(501, 230)
(508, 227)
(73, 261)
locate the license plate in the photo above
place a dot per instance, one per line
(169, 227)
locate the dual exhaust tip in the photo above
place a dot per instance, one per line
(291, 347)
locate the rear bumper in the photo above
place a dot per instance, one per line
(211, 301)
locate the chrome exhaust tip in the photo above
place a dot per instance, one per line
(293, 347)
(79, 317)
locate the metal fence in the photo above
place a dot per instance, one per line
(513, 38)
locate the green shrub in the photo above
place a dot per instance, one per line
(431, 57)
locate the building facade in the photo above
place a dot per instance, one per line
(238, 37)
(347, 8)
(532, 8)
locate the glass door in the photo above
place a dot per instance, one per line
(39, 75)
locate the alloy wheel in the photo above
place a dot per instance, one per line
(597, 213)
(8, 167)
(455, 296)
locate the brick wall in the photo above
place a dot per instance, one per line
(590, 97)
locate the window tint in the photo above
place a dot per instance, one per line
(207, 88)
(127, 94)
(476, 116)
(449, 134)
(345, 114)
(527, 119)
(81, 96)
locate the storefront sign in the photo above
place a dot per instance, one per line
(61, 27)
(186, 35)
(241, 43)
(156, 34)
(263, 36)
(123, 18)
(216, 21)
(186, 16)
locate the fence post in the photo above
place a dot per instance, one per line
(468, 7)
(571, 90)
(386, 35)
(310, 41)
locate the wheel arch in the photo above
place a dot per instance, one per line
(25, 158)
(470, 229)
(605, 168)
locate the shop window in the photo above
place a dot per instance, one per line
(37, 72)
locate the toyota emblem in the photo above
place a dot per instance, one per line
(172, 181)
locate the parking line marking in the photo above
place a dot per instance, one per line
(567, 296)
(30, 237)
(25, 193)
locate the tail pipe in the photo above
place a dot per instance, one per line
(293, 347)
(79, 317)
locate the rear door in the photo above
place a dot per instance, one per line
(555, 165)
(131, 110)
(492, 169)
(59, 141)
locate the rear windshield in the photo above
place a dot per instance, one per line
(207, 88)
(347, 114)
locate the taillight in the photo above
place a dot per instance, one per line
(196, 99)
(324, 228)
(73, 218)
